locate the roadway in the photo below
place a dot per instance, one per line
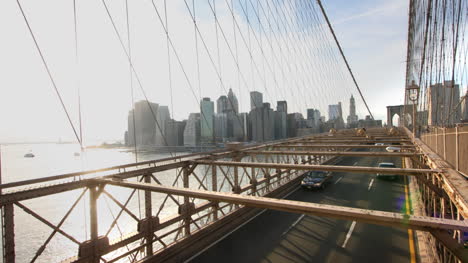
(275, 236)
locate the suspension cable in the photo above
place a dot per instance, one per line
(344, 57)
(48, 71)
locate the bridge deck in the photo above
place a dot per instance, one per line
(277, 236)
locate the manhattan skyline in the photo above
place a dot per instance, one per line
(103, 74)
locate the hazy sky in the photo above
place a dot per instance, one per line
(372, 34)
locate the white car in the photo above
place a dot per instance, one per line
(380, 144)
(393, 149)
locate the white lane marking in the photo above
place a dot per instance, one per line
(339, 179)
(293, 225)
(355, 163)
(245, 223)
(370, 184)
(348, 235)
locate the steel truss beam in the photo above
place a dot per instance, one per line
(315, 145)
(451, 186)
(335, 153)
(339, 140)
(339, 212)
(330, 168)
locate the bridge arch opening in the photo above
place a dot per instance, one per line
(396, 119)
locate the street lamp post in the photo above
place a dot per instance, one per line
(413, 95)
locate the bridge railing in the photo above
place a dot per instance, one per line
(98, 220)
(451, 144)
(101, 221)
(442, 195)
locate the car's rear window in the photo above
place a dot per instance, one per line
(387, 165)
(316, 175)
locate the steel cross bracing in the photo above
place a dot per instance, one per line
(211, 193)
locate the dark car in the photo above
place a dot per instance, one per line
(316, 180)
(387, 176)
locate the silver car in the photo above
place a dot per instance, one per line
(387, 176)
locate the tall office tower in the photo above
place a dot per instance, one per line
(130, 135)
(232, 103)
(145, 119)
(174, 131)
(256, 100)
(192, 130)
(335, 112)
(262, 122)
(440, 112)
(268, 123)
(310, 114)
(163, 116)
(282, 106)
(317, 117)
(313, 118)
(206, 121)
(281, 115)
(221, 127)
(240, 127)
(352, 117)
(222, 104)
(352, 106)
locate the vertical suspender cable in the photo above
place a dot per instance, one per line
(132, 96)
(169, 71)
(77, 74)
(75, 25)
(131, 80)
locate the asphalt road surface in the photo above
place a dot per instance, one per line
(286, 237)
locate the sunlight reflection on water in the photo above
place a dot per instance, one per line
(55, 159)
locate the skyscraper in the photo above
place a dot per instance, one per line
(241, 127)
(281, 115)
(206, 120)
(256, 100)
(174, 131)
(335, 114)
(163, 116)
(313, 118)
(130, 135)
(222, 104)
(221, 127)
(317, 117)
(262, 123)
(268, 122)
(439, 108)
(352, 117)
(335, 111)
(232, 103)
(145, 119)
(282, 106)
(192, 130)
(352, 106)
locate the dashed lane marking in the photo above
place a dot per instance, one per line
(348, 235)
(293, 225)
(339, 179)
(370, 184)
